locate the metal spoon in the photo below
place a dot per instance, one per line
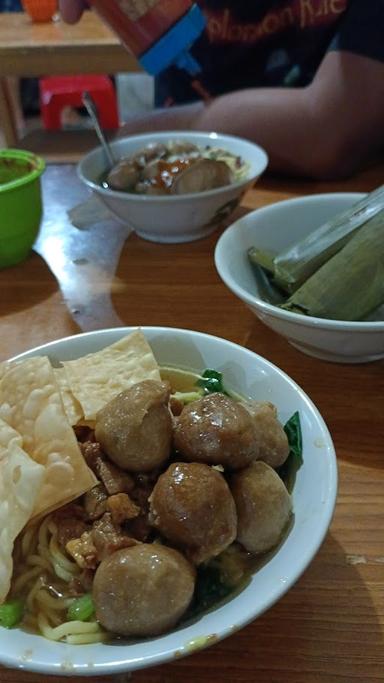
(92, 111)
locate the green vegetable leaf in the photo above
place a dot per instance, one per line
(267, 288)
(292, 429)
(11, 613)
(210, 588)
(211, 381)
(289, 469)
(81, 609)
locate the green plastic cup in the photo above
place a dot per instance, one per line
(20, 204)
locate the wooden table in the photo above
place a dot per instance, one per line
(37, 49)
(329, 627)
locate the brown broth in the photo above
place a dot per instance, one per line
(180, 380)
(13, 169)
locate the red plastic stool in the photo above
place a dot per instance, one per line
(57, 92)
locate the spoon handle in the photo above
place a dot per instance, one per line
(92, 111)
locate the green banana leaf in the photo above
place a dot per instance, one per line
(292, 267)
(350, 285)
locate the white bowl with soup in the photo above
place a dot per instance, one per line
(174, 186)
(220, 580)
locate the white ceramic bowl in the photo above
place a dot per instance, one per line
(181, 218)
(314, 497)
(274, 228)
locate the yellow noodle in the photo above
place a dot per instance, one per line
(62, 573)
(68, 628)
(64, 568)
(76, 627)
(28, 539)
(52, 603)
(38, 549)
(43, 533)
(52, 527)
(23, 579)
(86, 639)
(32, 593)
(45, 553)
(60, 559)
(53, 618)
(38, 561)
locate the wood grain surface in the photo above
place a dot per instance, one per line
(52, 48)
(329, 627)
(35, 49)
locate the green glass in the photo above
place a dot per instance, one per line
(20, 204)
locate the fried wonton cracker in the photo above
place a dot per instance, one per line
(72, 407)
(97, 378)
(21, 479)
(31, 403)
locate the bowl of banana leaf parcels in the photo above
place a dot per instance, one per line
(312, 269)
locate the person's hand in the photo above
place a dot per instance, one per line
(71, 10)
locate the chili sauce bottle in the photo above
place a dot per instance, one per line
(158, 32)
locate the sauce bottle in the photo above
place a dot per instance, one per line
(158, 32)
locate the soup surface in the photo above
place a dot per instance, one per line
(175, 168)
(13, 169)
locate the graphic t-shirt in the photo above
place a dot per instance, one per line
(10, 6)
(268, 43)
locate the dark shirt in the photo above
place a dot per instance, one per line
(10, 6)
(269, 43)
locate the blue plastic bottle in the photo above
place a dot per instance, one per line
(159, 33)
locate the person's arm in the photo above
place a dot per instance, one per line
(326, 130)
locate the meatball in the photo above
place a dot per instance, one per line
(217, 430)
(123, 176)
(263, 507)
(191, 505)
(154, 150)
(270, 434)
(135, 428)
(142, 590)
(200, 176)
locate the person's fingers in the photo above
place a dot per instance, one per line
(71, 10)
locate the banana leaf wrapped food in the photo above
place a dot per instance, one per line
(293, 266)
(350, 285)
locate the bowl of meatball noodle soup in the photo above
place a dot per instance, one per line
(276, 446)
(173, 186)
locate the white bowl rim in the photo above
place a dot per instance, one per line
(161, 135)
(358, 326)
(120, 664)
